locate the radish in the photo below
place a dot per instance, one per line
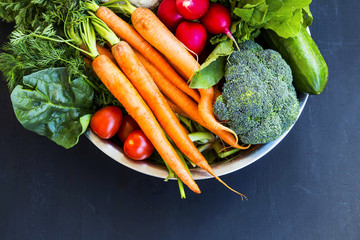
(192, 35)
(217, 20)
(169, 15)
(192, 9)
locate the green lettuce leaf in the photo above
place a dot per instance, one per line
(213, 69)
(289, 27)
(52, 105)
(282, 16)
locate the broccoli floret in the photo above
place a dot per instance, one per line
(258, 99)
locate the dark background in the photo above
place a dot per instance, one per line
(305, 188)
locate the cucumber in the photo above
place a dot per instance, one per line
(310, 72)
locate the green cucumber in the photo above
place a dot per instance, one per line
(310, 72)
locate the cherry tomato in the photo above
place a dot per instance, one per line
(106, 121)
(128, 125)
(137, 146)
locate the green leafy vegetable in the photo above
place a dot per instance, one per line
(285, 17)
(31, 14)
(52, 105)
(26, 54)
(282, 16)
(258, 99)
(212, 70)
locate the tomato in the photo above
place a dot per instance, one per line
(128, 125)
(106, 121)
(137, 146)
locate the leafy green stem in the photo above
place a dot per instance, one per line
(91, 5)
(88, 36)
(223, 154)
(122, 6)
(103, 30)
(203, 137)
(61, 40)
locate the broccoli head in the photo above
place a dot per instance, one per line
(258, 99)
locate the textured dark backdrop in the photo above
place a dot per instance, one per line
(306, 188)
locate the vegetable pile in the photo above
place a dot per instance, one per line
(135, 77)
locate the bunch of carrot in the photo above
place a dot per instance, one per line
(142, 78)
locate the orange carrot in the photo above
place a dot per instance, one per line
(184, 102)
(127, 95)
(175, 108)
(177, 96)
(142, 81)
(101, 50)
(104, 51)
(217, 93)
(206, 111)
(125, 32)
(155, 32)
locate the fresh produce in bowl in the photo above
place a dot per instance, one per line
(192, 120)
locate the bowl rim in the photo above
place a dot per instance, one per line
(248, 157)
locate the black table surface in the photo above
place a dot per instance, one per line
(306, 188)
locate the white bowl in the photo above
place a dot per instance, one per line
(221, 168)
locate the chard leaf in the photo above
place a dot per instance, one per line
(244, 13)
(213, 69)
(52, 105)
(289, 27)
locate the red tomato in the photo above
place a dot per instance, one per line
(106, 122)
(137, 146)
(128, 125)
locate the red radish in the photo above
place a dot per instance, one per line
(192, 35)
(192, 9)
(218, 20)
(169, 15)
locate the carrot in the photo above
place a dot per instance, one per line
(181, 100)
(168, 89)
(175, 108)
(157, 34)
(142, 81)
(217, 93)
(101, 50)
(206, 111)
(127, 95)
(104, 51)
(125, 32)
